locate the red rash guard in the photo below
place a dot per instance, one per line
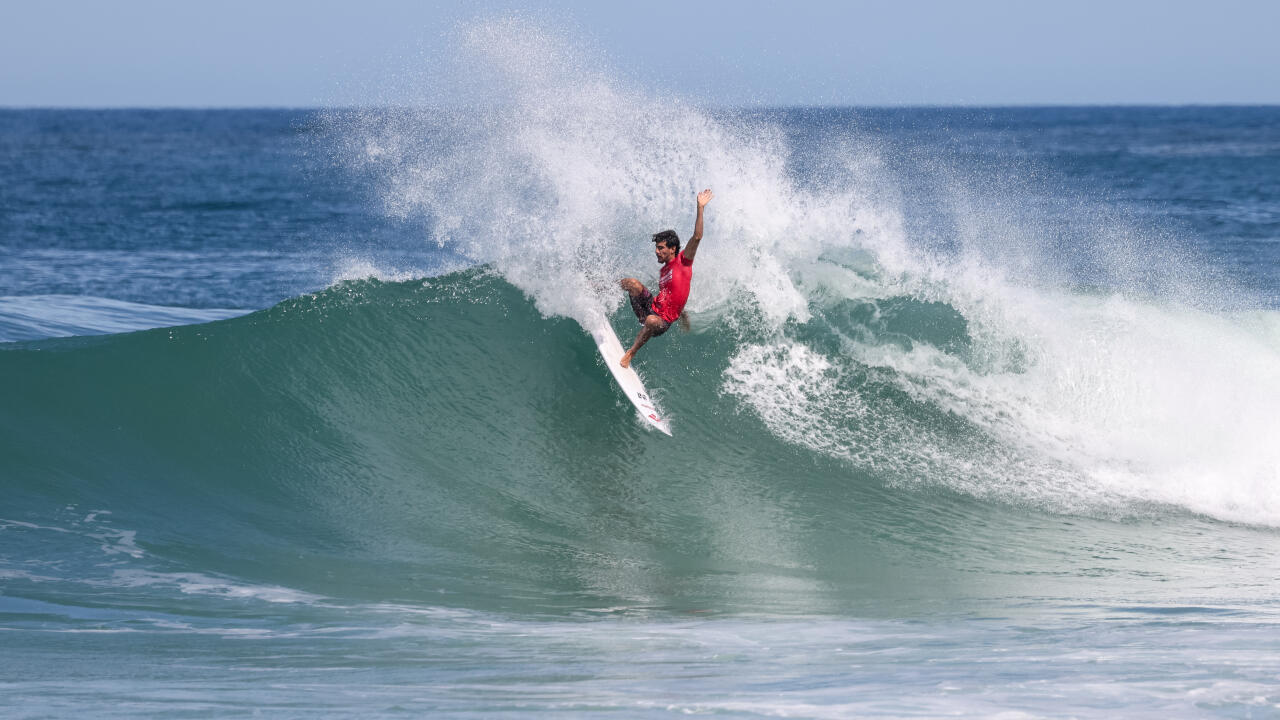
(673, 288)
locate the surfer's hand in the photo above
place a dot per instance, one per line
(704, 197)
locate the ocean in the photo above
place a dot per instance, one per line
(977, 416)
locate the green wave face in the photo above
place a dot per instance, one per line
(441, 442)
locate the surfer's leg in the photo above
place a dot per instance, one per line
(653, 327)
(641, 300)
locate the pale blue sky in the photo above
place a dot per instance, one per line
(982, 52)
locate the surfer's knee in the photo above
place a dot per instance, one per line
(656, 325)
(631, 285)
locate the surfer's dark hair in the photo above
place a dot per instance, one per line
(668, 238)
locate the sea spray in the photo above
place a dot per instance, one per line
(558, 175)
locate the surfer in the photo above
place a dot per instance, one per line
(657, 314)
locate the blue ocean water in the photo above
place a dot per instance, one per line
(977, 416)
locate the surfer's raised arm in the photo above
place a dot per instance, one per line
(691, 247)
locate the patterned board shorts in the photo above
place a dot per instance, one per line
(642, 306)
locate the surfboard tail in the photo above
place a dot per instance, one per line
(628, 379)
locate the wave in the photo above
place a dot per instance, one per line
(917, 317)
(443, 430)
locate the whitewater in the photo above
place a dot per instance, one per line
(297, 415)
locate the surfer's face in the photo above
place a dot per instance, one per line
(664, 253)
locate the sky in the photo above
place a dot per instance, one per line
(309, 53)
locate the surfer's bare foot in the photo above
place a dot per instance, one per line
(626, 359)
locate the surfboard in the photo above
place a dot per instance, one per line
(611, 350)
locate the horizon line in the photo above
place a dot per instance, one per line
(797, 106)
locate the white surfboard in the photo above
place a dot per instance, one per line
(611, 350)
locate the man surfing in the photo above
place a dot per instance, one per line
(657, 314)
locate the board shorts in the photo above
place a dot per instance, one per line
(642, 306)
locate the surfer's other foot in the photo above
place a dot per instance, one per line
(626, 359)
